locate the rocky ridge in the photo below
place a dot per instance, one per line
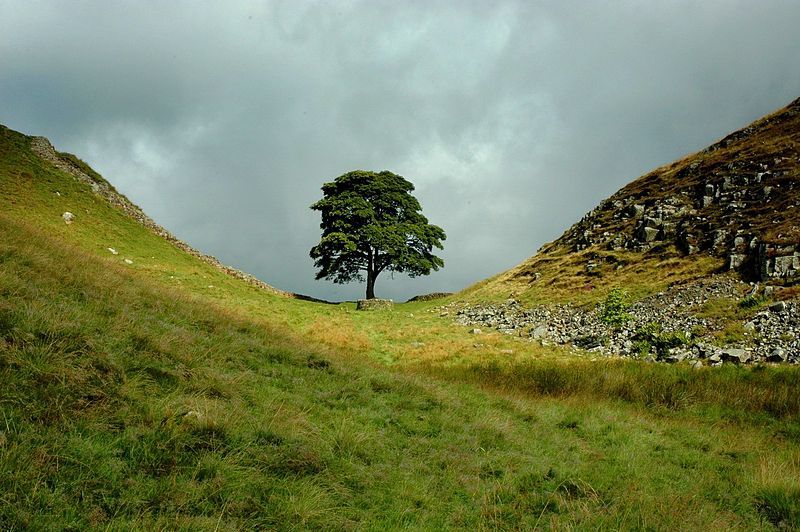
(737, 200)
(42, 147)
(668, 326)
(714, 206)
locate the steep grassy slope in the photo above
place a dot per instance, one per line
(167, 394)
(733, 206)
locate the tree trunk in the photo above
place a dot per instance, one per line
(371, 285)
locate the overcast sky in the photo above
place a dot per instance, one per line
(223, 119)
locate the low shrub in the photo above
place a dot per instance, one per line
(652, 338)
(614, 310)
(751, 302)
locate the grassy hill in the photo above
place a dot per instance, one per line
(731, 206)
(151, 389)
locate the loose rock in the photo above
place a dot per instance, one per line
(737, 356)
(673, 313)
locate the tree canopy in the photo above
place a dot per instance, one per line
(371, 223)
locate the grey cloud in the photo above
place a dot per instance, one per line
(512, 118)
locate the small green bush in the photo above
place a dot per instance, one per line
(614, 310)
(642, 348)
(653, 338)
(751, 302)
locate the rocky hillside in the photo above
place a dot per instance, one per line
(732, 206)
(694, 260)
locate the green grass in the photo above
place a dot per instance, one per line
(727, 315)
(135, 397)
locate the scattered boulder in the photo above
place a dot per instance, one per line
(637, 211)
(68, 217)
(113, 251)
(647, 234)
(677, 355)
(777, 355)
(735, 261)
(707, 351)
(736, 356)
(538, 332)
(778, 306)
(588, 341)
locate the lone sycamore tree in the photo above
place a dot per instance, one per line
(370, 224)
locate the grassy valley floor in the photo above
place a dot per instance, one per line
(132, 405)
(163, 394)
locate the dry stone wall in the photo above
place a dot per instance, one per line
(374, 304)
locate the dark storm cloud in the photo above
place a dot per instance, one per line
(512, 118)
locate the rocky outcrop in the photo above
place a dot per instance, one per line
(44, 149)
(775, 261)
(715, 218)
(738, 200)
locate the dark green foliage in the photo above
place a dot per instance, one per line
(371, 223)
(751, 302)
(614, 310)
(653, 338)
